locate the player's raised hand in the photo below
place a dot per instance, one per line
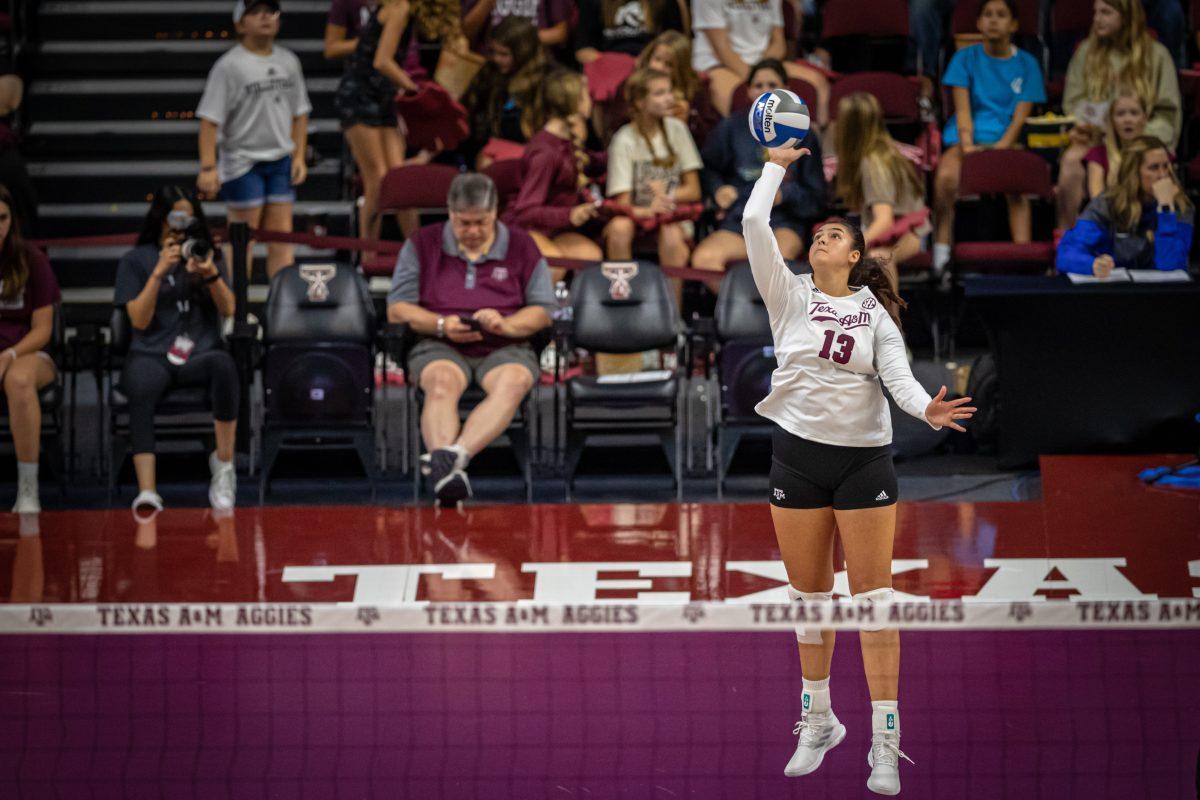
(944, 414)
(783, 156)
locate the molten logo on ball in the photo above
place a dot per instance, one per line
(779, 119)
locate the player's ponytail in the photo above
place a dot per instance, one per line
(877, 274)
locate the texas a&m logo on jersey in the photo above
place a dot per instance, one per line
(820, 311)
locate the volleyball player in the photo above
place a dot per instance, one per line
(836, 334)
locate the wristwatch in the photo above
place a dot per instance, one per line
(441, 327)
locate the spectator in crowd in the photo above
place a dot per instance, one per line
(671, 52)
(176, 302)
(475, 291)
(733, 34)
(733, 160)
(254, 128)
(14, 175)
(500, 91)
(1118, 50)
(555, 171)
(1144, 221)
(926, 24)
(995, 87)
(623, 26)
(653, 165)
(1127, 118)
(482, 17)
(366, 103)
(875, 181)
(28, 294)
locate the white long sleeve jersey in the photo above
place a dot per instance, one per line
(831, 351)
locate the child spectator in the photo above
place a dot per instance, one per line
(733, 34)
(1127, 117)
(733, 160)
(1118, 51)
(28, 294)
(622, 26)
(995, 87)
(175, 308)
(497, 95)
(482, 17)
(254, 114)
(671, 52)
(554, 171)
(1144, 221)
(653, 164)
(875, 181)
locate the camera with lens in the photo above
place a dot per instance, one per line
(199, 249)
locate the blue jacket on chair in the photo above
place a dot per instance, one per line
(1162, 240)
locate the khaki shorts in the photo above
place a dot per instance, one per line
(474, 368)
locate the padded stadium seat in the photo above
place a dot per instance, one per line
(999, 172)
(417, 186)
(506, 174)
(859, 39)
(606, 74)
(607, 322)
(587, 390)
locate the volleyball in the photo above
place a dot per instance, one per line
(779, 118)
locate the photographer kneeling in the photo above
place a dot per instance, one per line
(475, 290)
(176, 291)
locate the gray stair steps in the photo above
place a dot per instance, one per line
(136, 181)
(140, 98)
(59, 220)
(161, 138)
(167, 19)
(160, 57)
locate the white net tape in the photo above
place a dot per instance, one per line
(534, 617)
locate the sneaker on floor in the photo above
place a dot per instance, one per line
(453, 488)
(819, 733)
(222, 489)
(27, 496)
(439, 464)
(884, 760)
(146, 505)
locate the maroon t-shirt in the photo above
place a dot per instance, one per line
(350, 14)
(41, 290)
(543, 13)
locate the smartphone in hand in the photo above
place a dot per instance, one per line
(472, 323)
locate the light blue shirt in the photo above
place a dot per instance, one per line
(996, 85)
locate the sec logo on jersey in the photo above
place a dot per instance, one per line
(869, 303)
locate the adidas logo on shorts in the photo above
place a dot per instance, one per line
(882, 496)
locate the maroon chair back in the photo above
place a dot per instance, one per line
(506, 175)
(806, 91)
(1071, 16)
(896, 94)
(1005, 172)
(420, 186)
(856, 18)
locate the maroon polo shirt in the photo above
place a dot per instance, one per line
(432, 272)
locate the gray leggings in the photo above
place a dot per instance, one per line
(147, 378)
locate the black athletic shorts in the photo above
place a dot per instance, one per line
(807, 474)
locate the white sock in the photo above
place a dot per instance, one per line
(815, 698)
(941, 256)
(463, 457)
(215, 464)
(27, 470)
(885, 716)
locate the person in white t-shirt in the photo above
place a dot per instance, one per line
(731, 35)
(653, 165)
(254, 128)
(836, 335)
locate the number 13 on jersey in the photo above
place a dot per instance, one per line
(845, 344)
